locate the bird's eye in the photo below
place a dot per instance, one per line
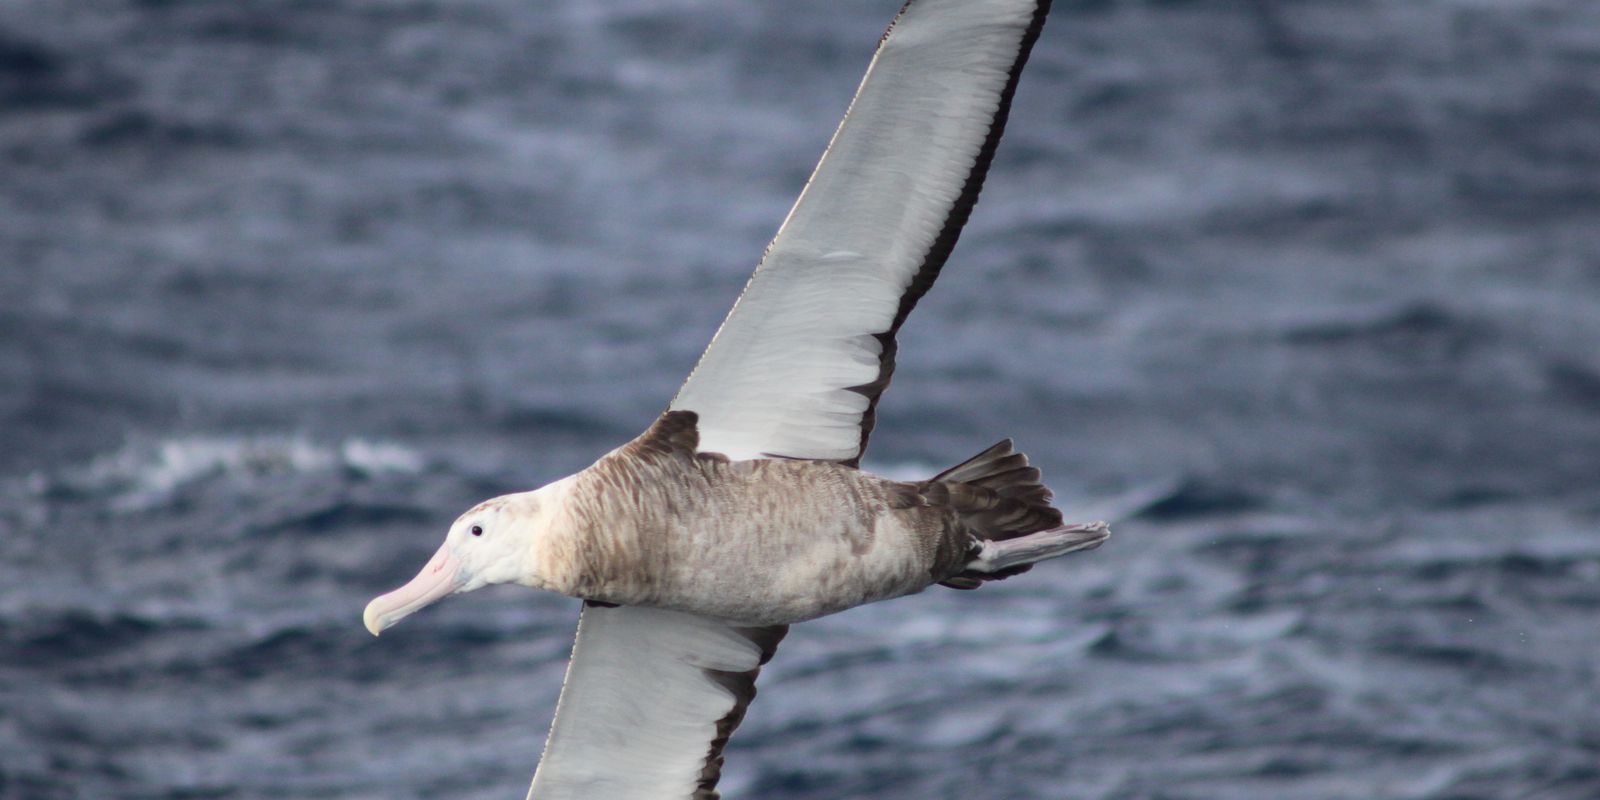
(477, 530)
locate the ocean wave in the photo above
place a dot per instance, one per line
(140, 477)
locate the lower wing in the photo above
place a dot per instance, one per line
(651, 697)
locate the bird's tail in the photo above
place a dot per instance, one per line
(1000, 499)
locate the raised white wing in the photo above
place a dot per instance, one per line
(797, 367)
(796, 370)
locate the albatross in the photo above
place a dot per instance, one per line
(742, 509)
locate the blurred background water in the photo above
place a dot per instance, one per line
(1308, 291)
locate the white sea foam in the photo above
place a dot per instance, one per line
(142, 475)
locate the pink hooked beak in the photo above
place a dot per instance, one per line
(436, 580)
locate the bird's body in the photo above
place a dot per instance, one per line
(761, 542)
(756, 542)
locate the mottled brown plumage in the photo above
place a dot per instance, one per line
(773, 541)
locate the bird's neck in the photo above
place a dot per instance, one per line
(552, 555)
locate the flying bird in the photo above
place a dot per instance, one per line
(742, 509)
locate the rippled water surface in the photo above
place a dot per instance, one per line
(1306, 294)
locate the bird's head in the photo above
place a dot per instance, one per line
(491, 543)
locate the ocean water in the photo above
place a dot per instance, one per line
(1305, 294)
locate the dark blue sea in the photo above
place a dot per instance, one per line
(1305, 295)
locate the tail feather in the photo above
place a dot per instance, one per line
(999, 557)
(996, 492)
(984, 464)
(1011, 478)
(1002, 502)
